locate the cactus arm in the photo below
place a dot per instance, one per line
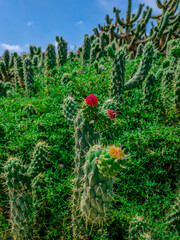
(159, 4)
(128, 12)
(70, 110)
(95, 30)
(143, 69)
(167, 39)
(118, 20)
(177, 89)
(39, 159)
(135, 18)
(176, 19)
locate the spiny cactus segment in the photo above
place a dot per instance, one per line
(97, 189)
(137, 227)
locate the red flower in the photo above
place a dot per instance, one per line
(102, 31)
(115, 24)
(91, 100)
(108, 35)
(78, 52)
(172, 10)
(111, 114)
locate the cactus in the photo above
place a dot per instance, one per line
(29, 76)
(139, 51)
(19, 181)
(137, 227)
(132, 36)
(3, 91)
(111, 161)
(101, 53)
(166, 63)
(131, 56)
(86, 48)
(6, 65)
(166, 6)
(148, 90)
(118, 74)
(175, 51)
(62, 50)
(19, 73)
(177, 89)
(50, 58)
(65, 78)
(167, 89)
(20, 194)
(85, 136)
(35, 61)
(34, 51)
(173, 217)
(70, 110)
(97, 189)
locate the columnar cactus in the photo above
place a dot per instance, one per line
(118, 74)
(167, 84)
(131, 56)
(86, 136)
(19, 73)
(3, 92)
(139, 51)
(97, 189)
(65, 78)
(101, 53)
(86, 48)
(177, 89)
(149, 88)
(6, 65)
(19, 182)
(29, 75)
(20, 194)
(173, 217)
(62, 50)
(34, 51)
(50, 57)
(137, 227)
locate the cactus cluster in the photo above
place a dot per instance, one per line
(86, 48)
(29, 76)
(19, 182)
(50, 58)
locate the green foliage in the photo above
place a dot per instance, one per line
(3, 90)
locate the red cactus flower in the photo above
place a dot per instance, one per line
(91, 100)
(102, 31)
(111, 114)
(78, 52)
(172, 10)
(108, 35)
(115, 24)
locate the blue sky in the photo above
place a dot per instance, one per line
(37, 22)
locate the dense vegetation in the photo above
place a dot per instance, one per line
(90, 141)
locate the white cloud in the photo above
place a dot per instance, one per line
(11, 47)
(29, 23)
(27, 45)
(79, 22)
